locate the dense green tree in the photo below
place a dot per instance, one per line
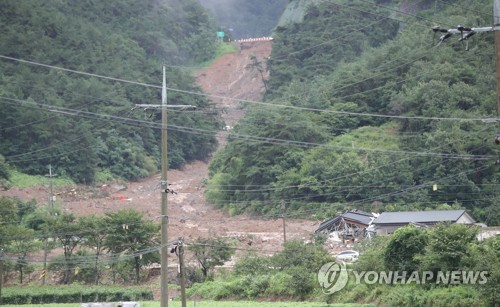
(254, 157)
(404, 248)
(372, 254)
(4, 173)
(66, 230)
(81, 124)
(255, 64)
(211, 252)
(8, 219)
(17, 239)
(373, 119)
(252, 264)
(94, 233)
(23, 245)
(448, 247)
(297, 253)
(329, 34)
(485, 257)
(133, 237)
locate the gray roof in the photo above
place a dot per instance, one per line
(358, 216)
(419, 217)
(354, 215)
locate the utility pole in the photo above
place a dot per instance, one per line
(1, 274)
(164, 186)
(283, 207)
(51, 199)
(51, 212)
(284, 230)
(496, 26)
(182, 273)
(164, 196)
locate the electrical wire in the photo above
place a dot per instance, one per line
(250, 101)
(468, 9)
(244, 137)
(405, 13)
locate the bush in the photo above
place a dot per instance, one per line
(257, 286)
(73, 294)
(302, 282)
(278, 285)
(251, 265)
(217, 290)
(404, 295)
(452, 296)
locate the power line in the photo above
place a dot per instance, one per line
(403, 13)
(244, 137)
(250, 101)
(383, 17)
(468, 9)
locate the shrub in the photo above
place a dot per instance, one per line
(452, 296)
(278, 285)
(251, 265)
(257, 286)
(302, 282)
(73, 294)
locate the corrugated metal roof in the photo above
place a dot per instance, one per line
(353, 215)
(326, 224)
(358, 216)
(419, 217)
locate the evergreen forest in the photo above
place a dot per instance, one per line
(367, 109)
(57, 111)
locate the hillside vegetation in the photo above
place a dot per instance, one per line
(364, 110)
(82, 124)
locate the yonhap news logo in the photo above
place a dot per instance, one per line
(333, 277)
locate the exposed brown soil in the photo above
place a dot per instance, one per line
(190, 215)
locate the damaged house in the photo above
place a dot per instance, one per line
(351, 225)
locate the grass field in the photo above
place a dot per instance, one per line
(213, 304)
(222, 49)
(26, 181)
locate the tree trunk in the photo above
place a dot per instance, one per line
(263, 80)
(204, 270)
(137, 268)
(96, 268)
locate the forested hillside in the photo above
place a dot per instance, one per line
(364, 110)
(60, 59)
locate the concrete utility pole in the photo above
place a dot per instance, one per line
(51, 198)
(51, 212)
(283, 207)
(164, 196)
(1, 274)
(164, 186)
(182, 272)
(496, 26)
